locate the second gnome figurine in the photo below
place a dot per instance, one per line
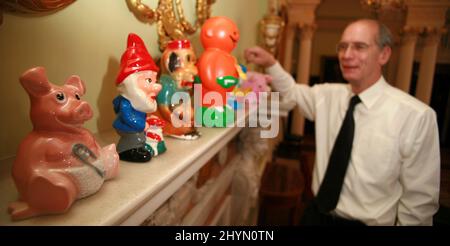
(138, 89)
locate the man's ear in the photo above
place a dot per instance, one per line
(385, 55)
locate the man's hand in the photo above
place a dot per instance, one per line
(259, 56)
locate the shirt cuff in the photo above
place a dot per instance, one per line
(281, 80)
(274, 69)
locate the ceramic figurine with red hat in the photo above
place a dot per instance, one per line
(59, 161)
(178, 72)
(154, 135)
(218, 70)
(138, 88)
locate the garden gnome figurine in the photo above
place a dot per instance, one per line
(136, 84)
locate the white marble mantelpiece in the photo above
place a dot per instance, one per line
(138, 190)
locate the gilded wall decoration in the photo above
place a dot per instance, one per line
(170, 19)
(32, 6)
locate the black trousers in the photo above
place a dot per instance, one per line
(313, 217)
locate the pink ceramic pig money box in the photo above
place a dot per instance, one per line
(257, 82)
(59, 161)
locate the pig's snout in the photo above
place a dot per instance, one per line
(83, 112)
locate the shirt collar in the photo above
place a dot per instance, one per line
(370, 95)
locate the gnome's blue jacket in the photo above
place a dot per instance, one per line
(128, 119)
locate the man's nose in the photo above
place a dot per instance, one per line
(348, 52)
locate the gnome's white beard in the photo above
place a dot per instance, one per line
(138, 99)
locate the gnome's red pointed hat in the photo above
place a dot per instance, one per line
(135, 58)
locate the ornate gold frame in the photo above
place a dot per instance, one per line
(32, 6)
(170, 19)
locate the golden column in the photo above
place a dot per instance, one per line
(288, 46)
(427, 64)
(423, 17)
(406, 57)
(301, 17)
(303, 70)
(304, 56)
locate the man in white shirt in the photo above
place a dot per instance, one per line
(393, 174)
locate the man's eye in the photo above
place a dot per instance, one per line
(360, 47)
(342, 47)
(149, 80)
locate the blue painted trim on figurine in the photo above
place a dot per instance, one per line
(128, 119)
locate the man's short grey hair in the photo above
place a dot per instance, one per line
(384, 36)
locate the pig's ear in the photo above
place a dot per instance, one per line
(35, 81)
(76, 82)
(250, 74)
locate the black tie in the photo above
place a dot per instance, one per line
(328, 195)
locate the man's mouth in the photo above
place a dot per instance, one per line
(349, 68)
